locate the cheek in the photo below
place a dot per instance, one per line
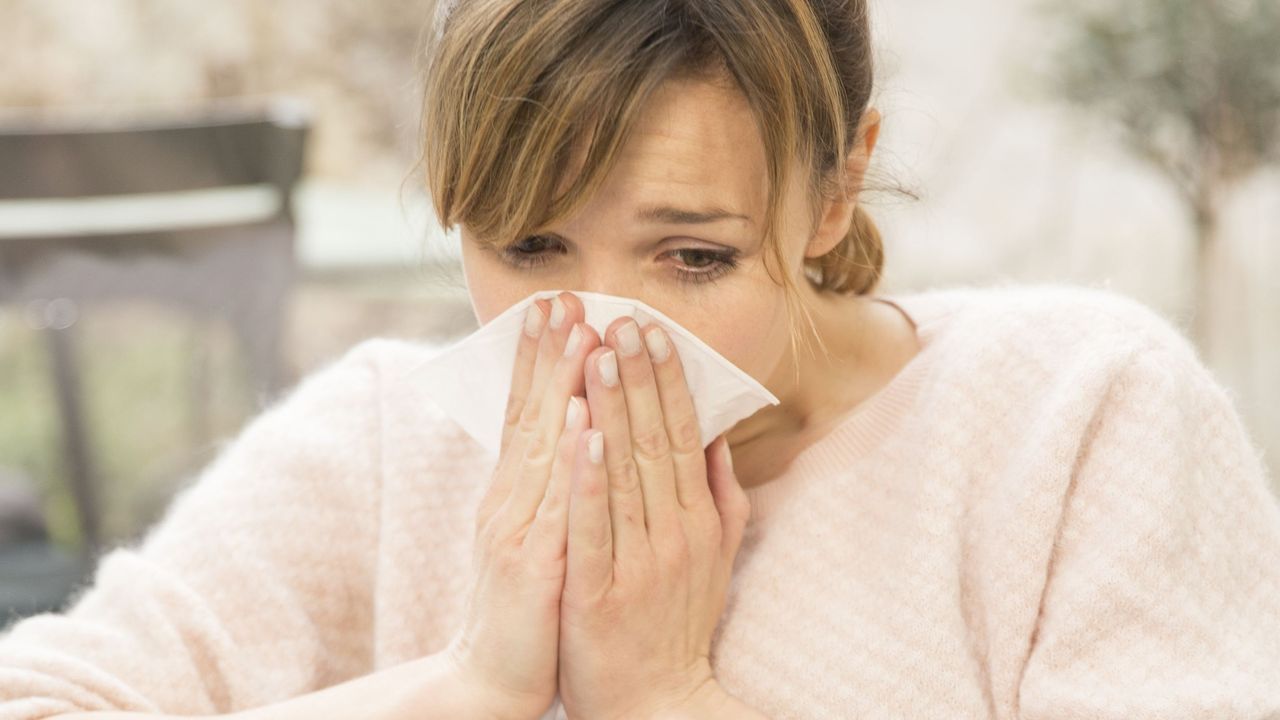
(492, 291)
(749, 332)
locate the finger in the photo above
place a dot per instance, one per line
(683, 430)
(650, 445)
(609, 415)
(562, 312)
(560, 322)
(589, 564)
(522, 374)
(521, 382)
(547, 535)
(731, 501)
(540, 450)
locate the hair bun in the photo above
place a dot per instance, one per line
(855, 264)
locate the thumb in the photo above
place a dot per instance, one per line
(731, 501)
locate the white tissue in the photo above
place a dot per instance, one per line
(471, 379)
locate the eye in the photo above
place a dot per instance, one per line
(527, 253)
(700, 264)
(707, 265)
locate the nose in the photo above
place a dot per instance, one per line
(616, 280)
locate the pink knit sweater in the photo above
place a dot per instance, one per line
(1051, 512)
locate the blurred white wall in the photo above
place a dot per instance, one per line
(1014, 188)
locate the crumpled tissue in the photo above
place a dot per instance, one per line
(471, 379)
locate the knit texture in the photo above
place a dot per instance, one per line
(1053, 511)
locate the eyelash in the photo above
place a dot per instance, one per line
(723, 262)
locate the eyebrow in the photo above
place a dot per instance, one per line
(680, 216)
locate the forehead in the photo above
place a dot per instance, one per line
(694, 143)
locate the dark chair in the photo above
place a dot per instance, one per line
(218, 240)
(35, 575)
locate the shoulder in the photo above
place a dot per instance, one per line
(396, 363)
(367, 370)
(1093, 317)
(1052, 326)
(1022, 353)
(1050, 314)
(344, 429)
(339, 395)
(343, 400)
(380, 358)
(1143, 365)
(409, 416)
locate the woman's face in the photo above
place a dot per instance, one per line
(654, 231)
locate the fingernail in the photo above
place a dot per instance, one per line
(629, 339)
(575, 339)
(533, 321)
(557, 314)
(595, 447)
(608, 366)
(657, 344)
(571, 415)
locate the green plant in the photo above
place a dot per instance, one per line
(1193, 86)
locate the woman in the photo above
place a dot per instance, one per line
(1017, 502)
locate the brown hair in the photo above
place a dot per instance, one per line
(511, 85)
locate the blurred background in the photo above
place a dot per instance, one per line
(200, 203)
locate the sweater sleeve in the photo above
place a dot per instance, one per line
(255, 586)
(1162, 597)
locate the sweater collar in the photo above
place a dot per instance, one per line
(864, 427)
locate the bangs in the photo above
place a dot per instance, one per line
(528, 102)
(527, 110)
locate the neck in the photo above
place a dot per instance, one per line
(813, 381)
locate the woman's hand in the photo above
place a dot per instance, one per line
(507, 648)
(654, 525)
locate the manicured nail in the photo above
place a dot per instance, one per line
(533, 321)
(571, 414)
(557, 313)
(595, 447)
(656, 341)
(608, 366)
(629, 339)
(575, 339)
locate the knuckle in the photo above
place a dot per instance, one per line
(483, 516)
(674, 549)
(718, 535)
(486, 535)
(515, 409)
(698, 535)
(598, 542)
(609, 612)
(528, 422)
(553, 502)
(624, 476)
(538, 452)
(543, 523)
(686, 434)
(489, 508)
(505, 563)
(652, 444)
(707, 528)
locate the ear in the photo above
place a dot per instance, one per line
(837, 214)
